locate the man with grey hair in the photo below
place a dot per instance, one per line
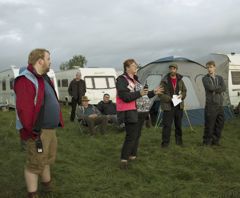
(76, 89)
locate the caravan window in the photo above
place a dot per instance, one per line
(89, 82)
(235, 77)
(4, 85)
(59, 83)
(100, 82)
(64, 82)
(153, 80)
(11, 83)
(111, 82)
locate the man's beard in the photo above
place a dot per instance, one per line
(46, 69)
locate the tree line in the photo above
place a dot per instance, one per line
(77, 61)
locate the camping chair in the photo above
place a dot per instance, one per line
(80, 122)
(82, 125)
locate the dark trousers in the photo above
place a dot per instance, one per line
(214, 122)
(133, 133)
(74, 104)
(175, 114)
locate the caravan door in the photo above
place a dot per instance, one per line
(234, 86)
(234, 79)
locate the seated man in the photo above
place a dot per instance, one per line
(91, 116)
(108, 108)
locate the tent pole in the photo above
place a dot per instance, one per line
(188, 120)
(158, 118)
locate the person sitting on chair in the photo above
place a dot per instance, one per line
(91, 116)
(108, 108)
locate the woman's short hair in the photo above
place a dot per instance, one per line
(127, 63)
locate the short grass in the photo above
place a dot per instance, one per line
(89, 166)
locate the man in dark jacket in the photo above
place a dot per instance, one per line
(76, 89)
(173, 86)
(108, 108)
(214, 117)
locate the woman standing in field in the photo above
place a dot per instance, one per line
(127, 93)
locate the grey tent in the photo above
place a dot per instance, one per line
(192, 72)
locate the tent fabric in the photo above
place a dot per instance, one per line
(222, 65)
(192, 71)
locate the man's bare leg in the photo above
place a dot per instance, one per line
(31, 181)
(45, 175)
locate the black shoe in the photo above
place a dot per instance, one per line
(164, 145)
(207, 143)
(216, 143)
(179, 142)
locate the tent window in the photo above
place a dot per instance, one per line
(64, 82)
(153, 80)
(191, 101)
(235, 77)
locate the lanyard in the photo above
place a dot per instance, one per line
(174, 84)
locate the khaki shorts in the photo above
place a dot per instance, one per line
(36, 161)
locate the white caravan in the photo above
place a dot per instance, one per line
(234, 78)
(6, 85)
(98, 81)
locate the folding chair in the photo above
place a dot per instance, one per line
(79, 121)
(83, 127)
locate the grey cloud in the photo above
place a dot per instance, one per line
(108, 31)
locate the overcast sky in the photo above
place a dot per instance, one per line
(107, 32)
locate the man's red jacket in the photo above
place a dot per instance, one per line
(28, 111)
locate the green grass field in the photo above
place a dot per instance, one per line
(89, 166)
